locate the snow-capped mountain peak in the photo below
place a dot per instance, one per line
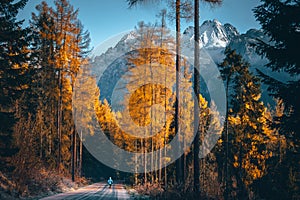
(214, 35)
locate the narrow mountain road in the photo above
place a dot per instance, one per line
(95, 191)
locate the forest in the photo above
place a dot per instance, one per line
(177, 143)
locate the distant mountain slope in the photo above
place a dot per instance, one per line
(214, 38)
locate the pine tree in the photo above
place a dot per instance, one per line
(228, 69)
(45, 87)
(270, 186)
(13, 51)
(280, 21)
(67, 63)
(14, 57)
(249, 134)
(60, 48)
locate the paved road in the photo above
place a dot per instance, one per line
(95, 191)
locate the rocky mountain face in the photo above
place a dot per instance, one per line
(214, 38)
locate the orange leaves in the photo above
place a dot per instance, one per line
(143, 99)
(255, 142)
(234, 120)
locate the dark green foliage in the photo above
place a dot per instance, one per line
(246, 134)
(13, 43)
(85, 41)
(281, 22)
(228, 68)
(14, 77)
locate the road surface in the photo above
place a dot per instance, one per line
(95, 191)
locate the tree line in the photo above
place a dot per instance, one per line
(39, 66)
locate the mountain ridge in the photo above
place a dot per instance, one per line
(214, 38)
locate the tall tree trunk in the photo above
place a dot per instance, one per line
(177, 104)
(163, 26)
(226, 195)
(80, 155)
(59, 117)
(73, 154)
(59, 108)
(145, 161)
(184, 163)
(196, 101)
(165, 135)
(159, 165)
(151, 128)
(41, 142)
(136, 164)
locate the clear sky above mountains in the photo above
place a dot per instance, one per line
(105, 19)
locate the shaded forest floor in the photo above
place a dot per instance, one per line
(44, 183)
(156, 191)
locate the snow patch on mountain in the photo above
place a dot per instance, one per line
(214, 38)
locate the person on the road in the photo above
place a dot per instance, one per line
(110, 182)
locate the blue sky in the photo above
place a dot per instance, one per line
(107, 18)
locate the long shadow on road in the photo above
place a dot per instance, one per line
(92, 192)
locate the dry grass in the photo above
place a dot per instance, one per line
(42, 183)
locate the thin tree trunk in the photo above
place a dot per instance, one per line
(177, 104)
(59, 115)
(41, 143)
(144, 140)
(136, 161)
(226, 196)
(80, 155)
(152, 161)
(163, 26)
(152, 116)
(60, 78)
(184, 164)
(73, 154)
(145, 162)
(165, 133)
(159, 167)
(196, 101)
